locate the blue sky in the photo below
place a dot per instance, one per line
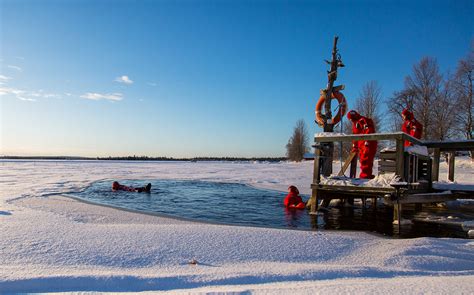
(200, 78)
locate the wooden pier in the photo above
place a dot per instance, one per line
(415, 173)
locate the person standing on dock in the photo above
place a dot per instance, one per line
(365, 149)
(411, 126)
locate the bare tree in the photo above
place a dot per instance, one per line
(442, 110)
(368, 103)
(462, 88)
(429, 97)
(400, 100)
(297, 145)
(425, 84)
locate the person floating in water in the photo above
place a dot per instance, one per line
(293, 199)
(120, 187)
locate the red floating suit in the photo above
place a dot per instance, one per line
(411, 126)
(293, 200)
(366, 148)
(120, 187)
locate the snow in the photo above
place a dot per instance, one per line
(417, 150)
(402, 222)
(328, 134)
(389, 149)
(50, 243)
(414, 149)
(383, 180)
(463, 175)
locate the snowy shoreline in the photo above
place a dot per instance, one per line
(56, 244)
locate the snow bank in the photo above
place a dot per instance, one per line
(55, 244)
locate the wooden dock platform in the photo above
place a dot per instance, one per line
(413, 173)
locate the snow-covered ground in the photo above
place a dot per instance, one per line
(52, 243)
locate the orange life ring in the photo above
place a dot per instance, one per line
(340, 113)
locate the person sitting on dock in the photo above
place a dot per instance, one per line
(293, 199)
(411, 126)
(366, 149)
(120, 187)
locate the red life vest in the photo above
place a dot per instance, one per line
(411, 126)
(362, 125)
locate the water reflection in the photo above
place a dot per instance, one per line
(294, 217)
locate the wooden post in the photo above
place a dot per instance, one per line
(327, 154)
(374, 203)
(347, 162)
(397, 207)
(451, 157)
(353, 168)
(429, 174)
(316, 180)
(397, 214)
(435, 165)
(328, 125)
(400, 168)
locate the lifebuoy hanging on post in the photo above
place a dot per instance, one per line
(340, 113)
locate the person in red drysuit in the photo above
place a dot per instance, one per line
(293, 200)
(411, 126)
(119, 187)
(366, 149)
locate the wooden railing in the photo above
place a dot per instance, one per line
(451, 147)
(325, 192)
(398, 137)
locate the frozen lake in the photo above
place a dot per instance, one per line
(56, 244)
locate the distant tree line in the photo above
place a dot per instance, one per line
(46, 158)
(140, 158)
(146, 158)
(195, 159)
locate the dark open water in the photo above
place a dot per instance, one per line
(239, 204)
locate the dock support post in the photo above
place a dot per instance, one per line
(316, 180)
(397, 208)
(451, 157)
(353, 168)
(400, 168)
(397, 214)
(435, 165)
